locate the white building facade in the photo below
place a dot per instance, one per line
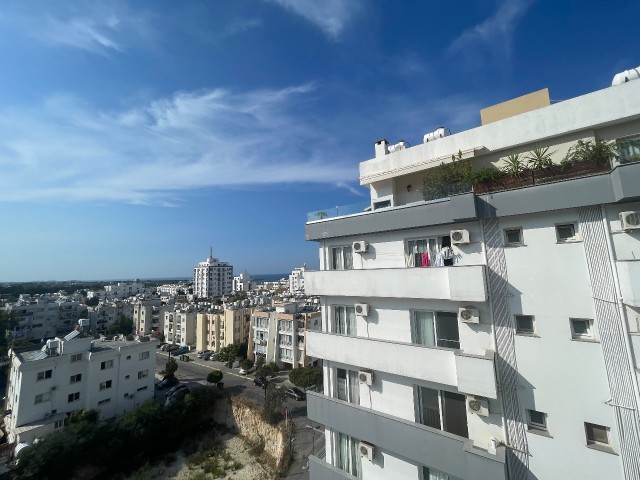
(486, 335)
(242, 282)
(212, 278)
(48, 384)
(279, 334)
(180, 326)
(296, 280)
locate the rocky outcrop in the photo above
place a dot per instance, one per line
(245, 417)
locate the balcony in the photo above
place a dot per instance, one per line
(469, 374)
(461, 283)
(415, 442)
(321, 470)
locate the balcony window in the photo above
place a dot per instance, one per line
(442, 410)
(347, 386)
(344, 320)
(429, 252)
(432, 474)
(629, 150)
(342, 258)
(435, 329)
(348, 455)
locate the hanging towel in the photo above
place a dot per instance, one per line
(439, 261)
(410, 260)
(425, 259)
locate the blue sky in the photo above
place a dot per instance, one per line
(134, 135)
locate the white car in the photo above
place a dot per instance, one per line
(245, 372)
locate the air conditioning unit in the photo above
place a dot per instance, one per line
(367, 450)
(468, 315)
(630, 220)
(459, 237)
(361, 309)
(478, 405)
(366, 376)
(360, 246)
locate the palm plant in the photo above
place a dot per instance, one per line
(540, 158)
(514, 165)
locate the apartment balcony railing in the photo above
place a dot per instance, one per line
(418, 443)
(471, 374)
(460, 283)
(338, 211)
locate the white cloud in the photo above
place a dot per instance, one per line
(240, 25)
(156, 152)
(494, 33)
(93, 27)
(331, 16)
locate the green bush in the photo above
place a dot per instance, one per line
(447, 179)
(214, 376)
(246, 364)
(486, 174)
(306, 377)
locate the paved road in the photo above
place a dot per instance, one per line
(308, 436)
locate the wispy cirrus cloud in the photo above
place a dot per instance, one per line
(494, 34)
(63, 149)
(331, 16)
(93, 27)
(240, 25)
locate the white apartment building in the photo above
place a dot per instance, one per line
(148, 316)
(122, 290)
(212, 278)
(242, 282)
(486, 335)
(102, 316)
(43, 316)
(296, 280)
(180, 326)
(48, 384)
(279, 333)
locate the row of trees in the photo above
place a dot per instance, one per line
(137, 437)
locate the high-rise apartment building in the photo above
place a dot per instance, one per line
(488, 332)
(212, 278)
(296, 280)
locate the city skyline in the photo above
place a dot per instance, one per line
(133, 138)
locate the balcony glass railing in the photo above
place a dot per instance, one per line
(338, 211)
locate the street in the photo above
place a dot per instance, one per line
(308, 437)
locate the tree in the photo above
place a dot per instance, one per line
(170, 368)
(306, 377)
(273, 404)
(92, 302)
(268, 369)
(122, 325)
(246, 364)
(259, 361)
(214, 376)
(233, 351)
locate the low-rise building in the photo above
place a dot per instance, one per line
(180, 326)
(47, 384)
(279, 334)
(148, 316)
(223, 326)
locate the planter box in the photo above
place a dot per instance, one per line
(537, 177)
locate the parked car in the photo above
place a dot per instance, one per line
(202, 353)
(175, 396)
(181, 351)
(295, 393)
(177, 388)
(161, 344)
(261, 382)
(167, 382)
(245, 371)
